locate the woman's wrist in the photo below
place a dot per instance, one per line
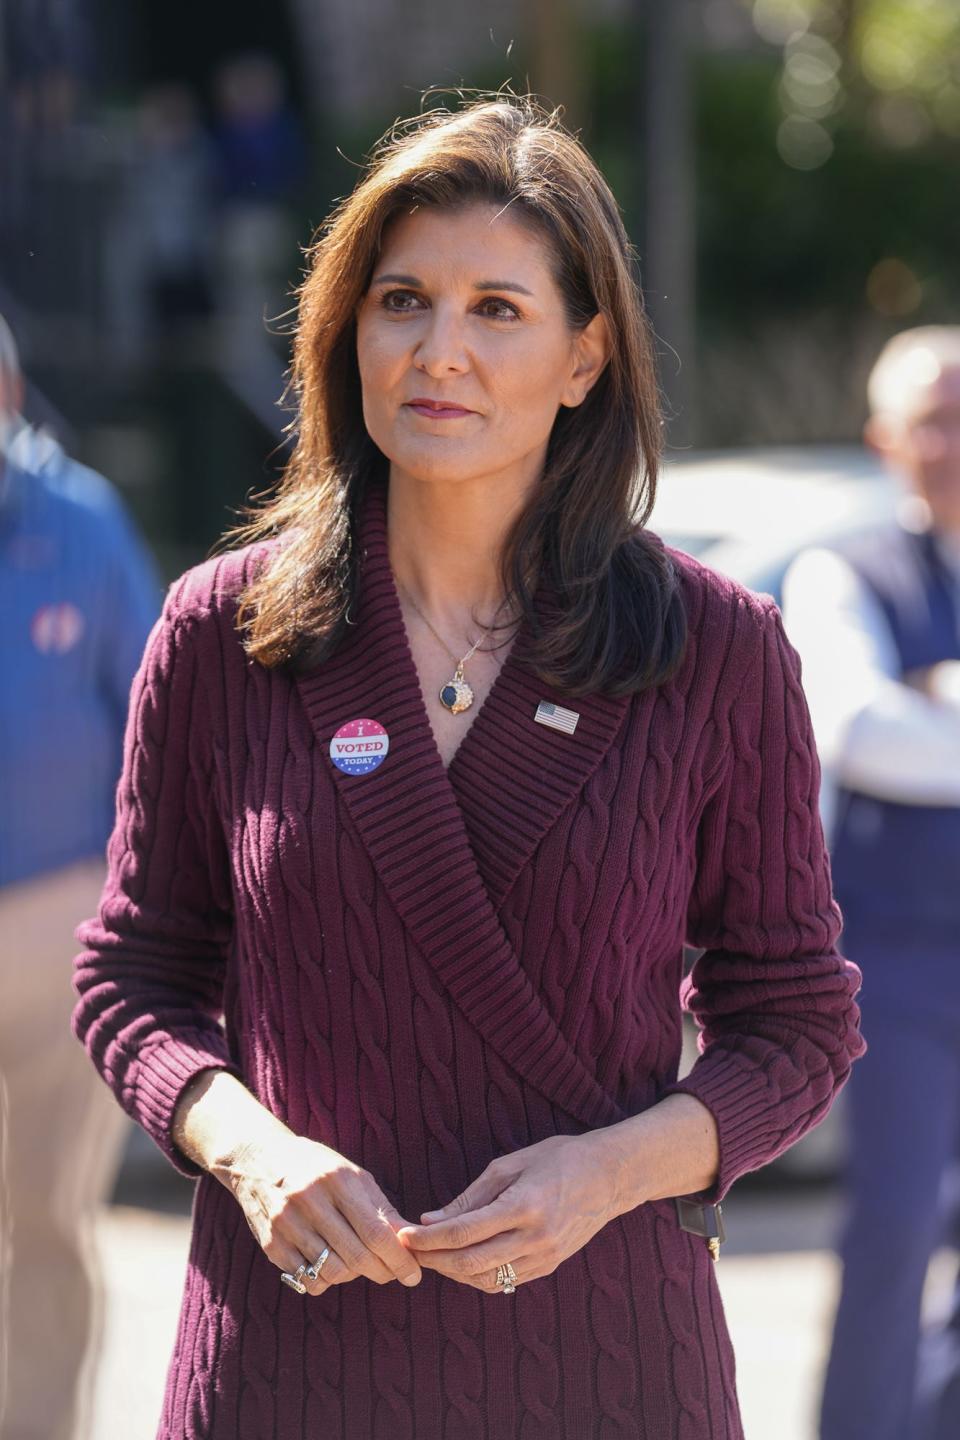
(222, 1127)
(671, 1149)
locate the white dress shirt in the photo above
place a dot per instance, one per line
(874, 733)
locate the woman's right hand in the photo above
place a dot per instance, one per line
(299, 1196)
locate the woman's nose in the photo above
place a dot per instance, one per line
(441, 346)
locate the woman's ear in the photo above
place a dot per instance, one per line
(591, 352)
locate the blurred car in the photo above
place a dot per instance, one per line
(748, 513)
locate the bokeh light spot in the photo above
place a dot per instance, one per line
(887, 62)
(803, 143)
(779, 20)
(892, 287)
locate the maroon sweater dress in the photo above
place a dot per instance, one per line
(427, 968)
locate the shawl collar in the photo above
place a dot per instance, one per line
(448, 843)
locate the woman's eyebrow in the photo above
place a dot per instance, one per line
(416, 284)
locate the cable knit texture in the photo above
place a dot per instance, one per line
(427, 968)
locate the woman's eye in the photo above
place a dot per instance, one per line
(503, 311)
(403, 301)
(393, 299)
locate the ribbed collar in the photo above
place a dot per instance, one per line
(448, 843)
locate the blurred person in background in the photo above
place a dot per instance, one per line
(78, 594)
(47, 56)
(160, 262)
(262, 161)
(876, 620)
(49, 49)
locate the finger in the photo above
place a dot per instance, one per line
(366, 1241)
(476, 1260)
(328, 1271)
(309, 1239)
(355, 1255)
(357, 1221)
(314, 1215)
(286, 1257)
(299, 1262)
(394, 1254)
(526, 1268)
(479, 1192)
(289, 1255)
(468, 1229)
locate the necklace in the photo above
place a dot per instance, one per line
(456, 695)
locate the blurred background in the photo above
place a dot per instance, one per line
(788, 172)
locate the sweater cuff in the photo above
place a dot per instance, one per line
(163, 1073)
(739, 1104)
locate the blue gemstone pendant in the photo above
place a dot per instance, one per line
(456, 695)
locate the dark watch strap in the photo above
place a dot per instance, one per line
(701, 1219)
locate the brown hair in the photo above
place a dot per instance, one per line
(620, 625)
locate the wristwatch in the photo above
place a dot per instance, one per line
(704, 1220)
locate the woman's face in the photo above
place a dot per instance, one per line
(463, 312)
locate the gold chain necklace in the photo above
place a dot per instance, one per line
(456, 695)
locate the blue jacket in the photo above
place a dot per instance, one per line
(78, 596)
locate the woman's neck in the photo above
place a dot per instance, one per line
(445, 542)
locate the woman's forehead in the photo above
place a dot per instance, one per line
(467, 237)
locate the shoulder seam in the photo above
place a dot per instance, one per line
(204, 589)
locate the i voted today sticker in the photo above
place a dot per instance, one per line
(359, 747)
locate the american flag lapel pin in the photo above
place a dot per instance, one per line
(556, 717)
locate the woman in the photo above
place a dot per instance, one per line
(425, 786)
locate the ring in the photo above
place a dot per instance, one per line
(295, 1281)
(314, 1270)
(507, 1277)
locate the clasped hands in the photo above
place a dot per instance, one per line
(534, 1207)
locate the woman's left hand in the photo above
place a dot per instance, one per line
(534, 1208)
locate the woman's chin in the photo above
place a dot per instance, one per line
(434, 470)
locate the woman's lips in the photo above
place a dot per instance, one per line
(439, 412)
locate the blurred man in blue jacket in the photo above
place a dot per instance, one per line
(78, 595)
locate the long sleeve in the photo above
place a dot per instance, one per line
(875, 733)
(150, 978)
(779, 1027)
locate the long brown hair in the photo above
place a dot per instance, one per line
(620, 624)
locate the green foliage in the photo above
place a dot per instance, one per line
(775, 237)
(778, 244)
(909, 49)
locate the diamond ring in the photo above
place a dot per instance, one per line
(507, 1278)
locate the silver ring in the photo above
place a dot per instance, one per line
(314, 1270)
(295, 1281)
(507, 1278)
